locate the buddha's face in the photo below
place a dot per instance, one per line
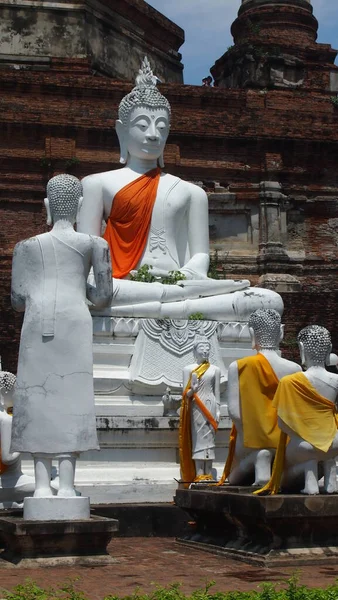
(202, 351)
(147, 132)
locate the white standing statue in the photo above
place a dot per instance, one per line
(54, 414)
(14, 484)
(156, 219)
(307, 414)
(252, 383)
(200, 415)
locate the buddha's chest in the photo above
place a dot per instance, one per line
(171, 203)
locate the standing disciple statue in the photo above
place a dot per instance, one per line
(156, 219)
(307, 415)
(200, 415)
(252, 383)
(54, 414)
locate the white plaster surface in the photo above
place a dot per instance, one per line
(56, 509)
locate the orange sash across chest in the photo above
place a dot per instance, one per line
(129, 222)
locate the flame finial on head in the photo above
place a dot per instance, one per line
(145, 77)
(145, 93)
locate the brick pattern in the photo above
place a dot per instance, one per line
(142, 564)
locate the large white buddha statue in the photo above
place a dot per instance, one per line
(156, 219)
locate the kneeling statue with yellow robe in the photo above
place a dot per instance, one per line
(307, 417)
(252, 383)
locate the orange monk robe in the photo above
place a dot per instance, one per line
(129, 222)
(257, 386)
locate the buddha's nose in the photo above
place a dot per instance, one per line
(152, 134)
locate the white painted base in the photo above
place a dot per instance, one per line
(56, 509)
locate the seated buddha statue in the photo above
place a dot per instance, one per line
(157, 219)
(252, 383)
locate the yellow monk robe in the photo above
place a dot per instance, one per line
(311, 416)
(188, 471)
(257, 386)
(129, 222)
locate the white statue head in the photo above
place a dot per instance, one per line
(266, 330)
(7, 382)
(64, 198)
(144, 119)
(202, 349)
(315, 346)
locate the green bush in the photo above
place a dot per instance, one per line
(287, 590)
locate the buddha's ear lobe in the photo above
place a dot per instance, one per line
(301, 352)
(281, 333)
(161, 161)
(253, 338)
(121, 134)
(49, 216)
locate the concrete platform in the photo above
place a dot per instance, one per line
(54, 543)
(262, 530)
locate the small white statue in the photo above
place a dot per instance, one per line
(200, 415)
(14, 485)
(54, 413)
(307, 413)
(252, 382)
(156, 219)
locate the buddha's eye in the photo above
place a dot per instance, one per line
(142, 125)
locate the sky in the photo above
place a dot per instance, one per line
(207, 29)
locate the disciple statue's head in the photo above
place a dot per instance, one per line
(7, 382)
(144, 119)
(202, 349)
(315, 345)
(64, 198)
(265, 329)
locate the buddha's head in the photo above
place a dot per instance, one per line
(7, 382)
(266, 330)
(64, 198)
(144, 119)
(202, 349)
(315, 346)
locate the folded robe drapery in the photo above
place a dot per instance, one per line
(311, 416)
(257, 385)
(129, 222)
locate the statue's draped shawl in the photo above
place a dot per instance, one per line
(311, 416)
(257, 386)
(129, 222)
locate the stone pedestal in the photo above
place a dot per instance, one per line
(270, 530)
(55, 543)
